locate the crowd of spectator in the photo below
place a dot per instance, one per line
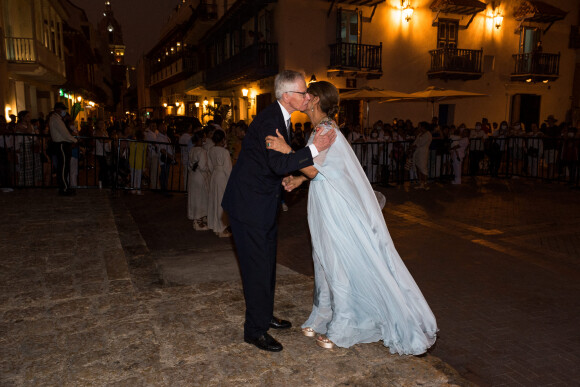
(397, 151)
(158, 154)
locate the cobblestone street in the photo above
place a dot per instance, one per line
(498, 261)
(119, 290)
(81, 304)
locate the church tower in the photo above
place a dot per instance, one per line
(110, 30)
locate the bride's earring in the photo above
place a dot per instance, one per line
(312, 109)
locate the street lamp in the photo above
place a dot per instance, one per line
(245, 92)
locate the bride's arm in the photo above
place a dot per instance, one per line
(310, 172)
(278, 144)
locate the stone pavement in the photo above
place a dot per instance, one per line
(82, 303)
(499, 264)
(497, 260)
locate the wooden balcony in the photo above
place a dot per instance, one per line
(455, 63)
(255, 62)
(536, 67)
(30, 59)
(356, 60)
(176, 67)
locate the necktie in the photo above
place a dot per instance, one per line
(288, 130)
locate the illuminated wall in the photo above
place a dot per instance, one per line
(304, 31)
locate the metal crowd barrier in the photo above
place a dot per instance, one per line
(27, 160)
(548, 159)
(124, 164)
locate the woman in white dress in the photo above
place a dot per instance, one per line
(363, 291)
(221, 167)
(459, 143)
(198, 183)
(421, 154)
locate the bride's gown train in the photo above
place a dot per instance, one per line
(363, 291)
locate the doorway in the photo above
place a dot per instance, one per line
(526, 109)
(263, 100)
(447, 31)
(349, 113)
(446, 114)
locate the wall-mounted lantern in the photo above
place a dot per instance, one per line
(497, 20)
(407, 10)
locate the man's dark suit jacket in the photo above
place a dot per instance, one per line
(252, 195)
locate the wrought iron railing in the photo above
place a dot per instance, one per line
(536, 63)
(356, 56)
(21, 50)
(456, 60)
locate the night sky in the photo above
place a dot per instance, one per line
(141, 21)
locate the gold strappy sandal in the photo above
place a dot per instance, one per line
(324, 342)
(308, 332)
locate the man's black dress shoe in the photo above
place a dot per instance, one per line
(277, 323)
(265, 342)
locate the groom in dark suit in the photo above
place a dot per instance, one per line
(252, 200)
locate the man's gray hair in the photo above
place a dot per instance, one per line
(285, 80)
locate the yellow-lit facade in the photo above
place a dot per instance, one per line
(305, 29)
(168, 82)
(32, 58)
(467, 45)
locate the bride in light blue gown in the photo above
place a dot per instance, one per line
(363, 291)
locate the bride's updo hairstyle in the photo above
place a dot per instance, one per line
(328, 97)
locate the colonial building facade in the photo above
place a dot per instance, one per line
(48, 52)
(32, 59)
(522, 54)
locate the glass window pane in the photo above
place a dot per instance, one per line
(443, 31)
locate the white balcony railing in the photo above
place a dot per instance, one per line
(20, 50)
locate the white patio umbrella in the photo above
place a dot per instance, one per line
(435, 94)
(368, 94)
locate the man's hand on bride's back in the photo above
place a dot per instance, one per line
(323, 141)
